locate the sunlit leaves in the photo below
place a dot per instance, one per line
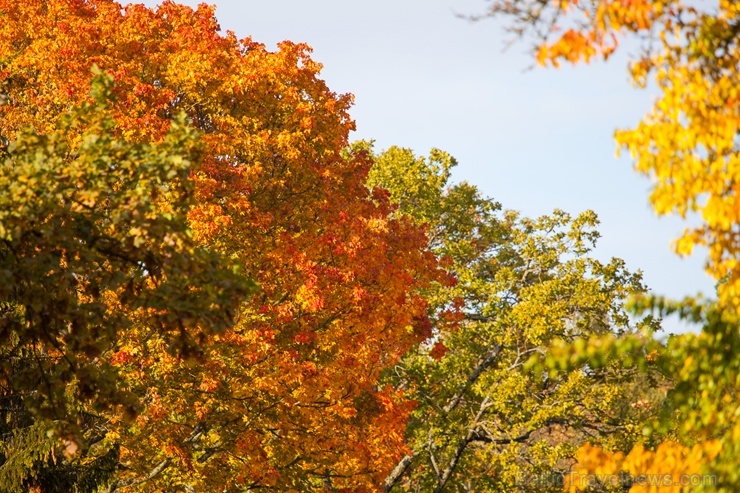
(289, 397)
(671, 468)
(688, 145)
(94, 247)
(83, 229)
(688, 142)
(486, 419)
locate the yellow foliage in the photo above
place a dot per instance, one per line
(688, 142)
(670, 468)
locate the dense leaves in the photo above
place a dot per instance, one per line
(487, 419)
(95, 244)
(688, 144)
(204, 287)
(92, 225)
(288, 398)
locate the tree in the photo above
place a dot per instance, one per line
(688, 145)
(289, 397)
(487, 418)
(94, 242)
(691, 445)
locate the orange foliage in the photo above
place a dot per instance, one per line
(671, 467)
(596, 27)
(289, 397)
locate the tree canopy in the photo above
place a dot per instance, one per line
(204, 286)
(687, 144)
(284, 391)
(487, 418)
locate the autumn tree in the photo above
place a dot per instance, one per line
(94, 241)
(687, 144)
(288, 397)
(486, 419)
(93, 224)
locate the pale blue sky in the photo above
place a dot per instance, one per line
(534, 140)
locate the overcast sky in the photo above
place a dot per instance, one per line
(534, 140)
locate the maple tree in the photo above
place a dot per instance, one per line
(85, 227)
(287, 394)
(688, 145)
(487, 419)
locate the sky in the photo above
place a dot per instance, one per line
(532, 138)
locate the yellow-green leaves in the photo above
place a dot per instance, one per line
(94, 240)
(687, 144)
(492, 416)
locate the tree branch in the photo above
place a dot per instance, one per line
(482, 366)
(134, 481)
(395, 476)
(461, 446)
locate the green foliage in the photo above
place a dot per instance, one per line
(416, 184)
(93, 241)
(688, 145)
(32, 458)
(24, 449)
(702, 406)
(490, 418)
